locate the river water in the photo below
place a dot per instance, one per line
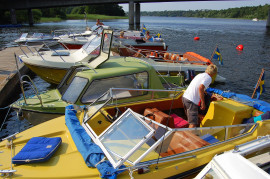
(241, 68)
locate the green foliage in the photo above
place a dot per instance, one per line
(260, 12)
(54, 12)
(37, 14)
(106, 9)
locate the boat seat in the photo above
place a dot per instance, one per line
(181, 141)
(159, 117)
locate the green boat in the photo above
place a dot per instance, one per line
(83, 83)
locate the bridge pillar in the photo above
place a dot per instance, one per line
(268, 20)
(13, 16)
(131, 15)
(137, 15)
(30, 18)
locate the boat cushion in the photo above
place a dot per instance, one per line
(63, 53)
(209, 138)
(261, 117)
(179, 122)
(37, 149)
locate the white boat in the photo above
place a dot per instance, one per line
(239, 163)
(52, 65)
(255, 19)
(35, 39)
(71, 40)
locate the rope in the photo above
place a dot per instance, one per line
(131, 173)
(102, 160)
(5, 119)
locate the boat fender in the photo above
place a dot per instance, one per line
(240, 47)
(166, 56)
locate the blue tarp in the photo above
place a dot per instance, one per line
(256, 103)
(91, 153)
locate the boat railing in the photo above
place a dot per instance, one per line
(33, 87)
(53, 51)
(37, 50)
(190, 154)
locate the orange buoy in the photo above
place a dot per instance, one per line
(196, 38)
(240, 47)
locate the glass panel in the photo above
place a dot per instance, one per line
(139, 81)
(187, 140)
(74, 89)
(127, 133)
(106, 44)
(92, 45)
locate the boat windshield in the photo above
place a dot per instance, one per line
(74, 90)
(136, 80)
(37, 35)
(92, 44)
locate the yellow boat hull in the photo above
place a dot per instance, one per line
(67, 162)
(50, 75)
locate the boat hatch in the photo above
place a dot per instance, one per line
(104, 53)
(130, 138)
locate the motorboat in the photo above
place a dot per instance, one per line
(70, 40)
(85, 81)
(188, 64)
(131, 39)
(139, 139)
(249, 160)
(34, 39)
(52, 65)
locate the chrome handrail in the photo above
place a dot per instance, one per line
(32, 85)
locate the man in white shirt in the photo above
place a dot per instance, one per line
(195, 92)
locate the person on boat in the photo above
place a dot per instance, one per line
(99, 23)
(195, 94)
(122, 35)
(147, 36)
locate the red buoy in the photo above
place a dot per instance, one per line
(240, 47)
(196, 38)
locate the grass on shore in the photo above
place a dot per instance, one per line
(81, 16)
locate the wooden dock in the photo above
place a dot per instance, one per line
(8, 73)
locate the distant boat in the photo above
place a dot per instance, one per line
(255, 19)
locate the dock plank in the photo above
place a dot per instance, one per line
(8, 71)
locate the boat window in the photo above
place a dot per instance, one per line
(74, 90)
(93, 44)
(62, 87)
(106, 44)
(124, 136)
(138, 80)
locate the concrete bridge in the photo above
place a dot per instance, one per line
(134, 7)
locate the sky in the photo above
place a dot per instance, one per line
(197, 5)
